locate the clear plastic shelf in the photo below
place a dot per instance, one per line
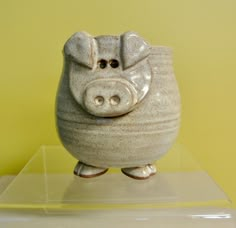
(47, 182)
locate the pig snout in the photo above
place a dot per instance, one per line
(109, 97)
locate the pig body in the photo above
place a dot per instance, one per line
(118, 104)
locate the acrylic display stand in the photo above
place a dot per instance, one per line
(47, 182)
(180, 195)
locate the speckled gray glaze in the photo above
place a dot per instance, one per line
(118, 103)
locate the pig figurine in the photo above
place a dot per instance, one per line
(118, 104)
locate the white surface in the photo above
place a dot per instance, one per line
(169, 218)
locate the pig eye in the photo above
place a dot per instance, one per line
(102, 63)
(114, 63)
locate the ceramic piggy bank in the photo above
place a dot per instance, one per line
(118, 104)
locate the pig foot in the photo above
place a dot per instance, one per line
(140, 173)
(88, 171)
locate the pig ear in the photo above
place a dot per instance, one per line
(133, 49)
(81, 47)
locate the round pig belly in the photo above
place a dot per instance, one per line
(111, 144)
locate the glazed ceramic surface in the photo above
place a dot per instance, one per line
(118, 103)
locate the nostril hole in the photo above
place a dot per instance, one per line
(102, 63)
(114, 63)
(115, 100)
(99, 100)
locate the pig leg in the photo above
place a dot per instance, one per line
(88, 171)
(140, 173)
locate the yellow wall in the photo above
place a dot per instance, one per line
(202, 34)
